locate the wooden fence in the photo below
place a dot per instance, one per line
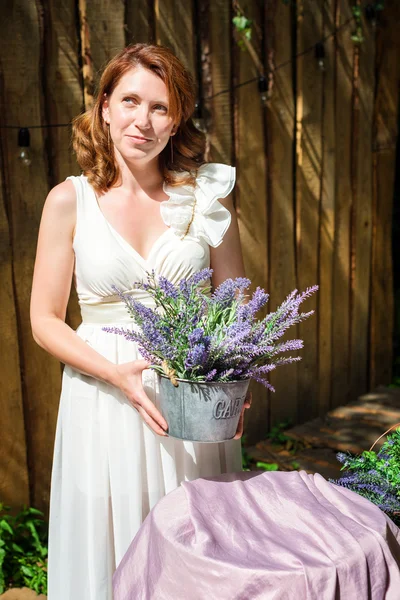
(315, 172)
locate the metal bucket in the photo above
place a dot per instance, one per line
(202, 412)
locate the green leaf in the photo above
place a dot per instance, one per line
(35, 511)
(27, 570)
(241, 23)
(267, 466)
(6, 527)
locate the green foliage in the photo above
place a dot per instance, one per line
(375, 476)
(23, 550)
(386, 463)
(267, 466)
(243, 27)
(277, 435)
(374, 8)
(248, 462)
(357, 35)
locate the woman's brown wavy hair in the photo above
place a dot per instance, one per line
(90, 137)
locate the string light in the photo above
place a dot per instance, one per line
(320, 55)
(199, 113)
(24, 142)
(198, 117)
(263, 89)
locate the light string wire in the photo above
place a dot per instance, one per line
(225, 91)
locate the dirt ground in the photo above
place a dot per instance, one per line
(21, 594)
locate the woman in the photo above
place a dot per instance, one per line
(146, 200)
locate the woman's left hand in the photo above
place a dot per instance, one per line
(247, 404)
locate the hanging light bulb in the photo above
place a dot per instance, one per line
(24, 140)
(263, 89)
(320, 55)
(198, 118)
(371, 15)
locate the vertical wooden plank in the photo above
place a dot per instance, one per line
(26, 187)
(139, 17)
(281, 221)
(62, 83)
(63, 99)
(362, 213)
(308, 190)
(103, 36)
(201, 16)
(343, 201)
(251, 189)
(14, 484)
(385, 136)
(327, 214)
(221, 141)
(174, 28)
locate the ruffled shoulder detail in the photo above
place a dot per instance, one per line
(194, 212)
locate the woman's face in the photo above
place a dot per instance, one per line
(137, 113)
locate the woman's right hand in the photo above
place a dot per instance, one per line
(128, 378)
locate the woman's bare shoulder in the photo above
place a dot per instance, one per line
(62, 197)
(60, 205)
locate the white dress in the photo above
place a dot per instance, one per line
(109, 468)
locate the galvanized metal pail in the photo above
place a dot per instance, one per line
(202, 412)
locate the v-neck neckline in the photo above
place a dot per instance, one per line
(123, 242)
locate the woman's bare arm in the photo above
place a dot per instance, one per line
(51, 287)
(227, 259)
(52, 284)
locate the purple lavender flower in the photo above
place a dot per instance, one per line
(227, 290)
(249, 310)
(211, 374)
(196, 335)
(167, 287)
(196, 357)
(202, 275)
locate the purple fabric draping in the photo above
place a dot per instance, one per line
(270, 536)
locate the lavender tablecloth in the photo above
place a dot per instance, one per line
(247, 536)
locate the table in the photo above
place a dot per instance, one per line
(262, 535)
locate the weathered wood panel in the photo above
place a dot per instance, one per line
(102, 36)
(26, 187)
(220, 28)
(308, 194)
(14, 480)
(140, 25)
(385, 136)
(280, 129)
(251, 189)
(327, 215)
(343, 200)
(174, 26)
(361, 217)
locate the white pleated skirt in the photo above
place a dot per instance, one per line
(109, 470)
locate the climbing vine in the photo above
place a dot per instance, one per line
(371, 11)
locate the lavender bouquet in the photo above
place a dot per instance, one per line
(206, 347)
(196, 336)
